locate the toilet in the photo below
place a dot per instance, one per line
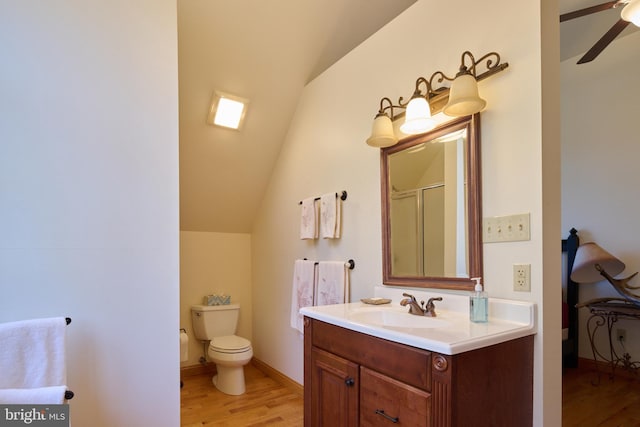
(217, 324)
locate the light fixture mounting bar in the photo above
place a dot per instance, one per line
(435, 89)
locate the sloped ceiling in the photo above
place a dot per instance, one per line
(265, 51)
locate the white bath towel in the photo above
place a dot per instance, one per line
(33, 396)
(309, 219)
(304, 278)
(32, 353)
(333, 283)
(330, 216)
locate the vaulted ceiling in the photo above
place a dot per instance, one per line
(267, 51)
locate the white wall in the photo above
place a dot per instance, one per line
(600, 154)
(89, 196)
(325, 151)
(214, 263)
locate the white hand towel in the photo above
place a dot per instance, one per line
(333, 283)
(32, 353)
(309, 219)
(33, 396)
(304, 278)
(330, 213)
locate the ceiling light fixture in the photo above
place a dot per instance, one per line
(227, 110)
(631, 12)
(459, 100)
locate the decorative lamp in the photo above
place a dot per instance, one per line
(463, 96)
(592, 263)
(631, 12)
(382, 134)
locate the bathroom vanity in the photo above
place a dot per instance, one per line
(378, 365)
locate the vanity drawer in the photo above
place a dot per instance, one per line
(385, 401)
(407, 364)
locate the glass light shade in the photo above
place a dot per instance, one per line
(631, 12)
(463, 97)
(418, 117)
(588, 256)
(382, 134)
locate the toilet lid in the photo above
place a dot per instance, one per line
(230, 343)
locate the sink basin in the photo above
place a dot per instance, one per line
(395, 319)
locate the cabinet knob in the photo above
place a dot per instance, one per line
(350, 382)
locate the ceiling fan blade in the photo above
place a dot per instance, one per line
(601, 44)
(587, 11)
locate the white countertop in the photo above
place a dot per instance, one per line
(450, 332)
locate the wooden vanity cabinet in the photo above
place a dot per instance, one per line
(354, 379)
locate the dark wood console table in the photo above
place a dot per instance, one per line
(605, 312)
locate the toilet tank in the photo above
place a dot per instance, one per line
(214, 320)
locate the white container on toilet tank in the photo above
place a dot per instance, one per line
(217, 324)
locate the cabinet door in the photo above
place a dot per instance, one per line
(334, 395)
(385, 402)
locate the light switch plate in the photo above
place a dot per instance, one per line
(510, 228)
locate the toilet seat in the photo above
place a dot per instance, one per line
(230, 344)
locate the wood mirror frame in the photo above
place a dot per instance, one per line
(473, 211)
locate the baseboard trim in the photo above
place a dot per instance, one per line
(207, 368)
(210, 369)
(604, 368)
(278, 376)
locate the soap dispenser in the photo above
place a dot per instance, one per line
(478, 304)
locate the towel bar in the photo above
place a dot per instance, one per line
(343, 196)
(68, 395)
(351, 263)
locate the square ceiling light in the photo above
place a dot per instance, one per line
(227, 110)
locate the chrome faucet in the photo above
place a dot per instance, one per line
(420, 309)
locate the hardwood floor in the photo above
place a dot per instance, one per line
(265, 403)
(612, 403)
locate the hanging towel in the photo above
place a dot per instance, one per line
(304, 278)
(33, 396)
(333, 283)
(309, 219)
(330, 213)
(32, 353)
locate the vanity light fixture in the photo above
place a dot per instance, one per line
(227, 110)
(459, 100)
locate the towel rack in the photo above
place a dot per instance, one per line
(350, 263)
(342, 195)
(68, 395)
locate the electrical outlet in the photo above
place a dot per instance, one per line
(621, 335)
(522, 277)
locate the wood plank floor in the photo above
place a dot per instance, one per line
(265, 403)
(612, 403)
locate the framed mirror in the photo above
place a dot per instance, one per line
(432, 208)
